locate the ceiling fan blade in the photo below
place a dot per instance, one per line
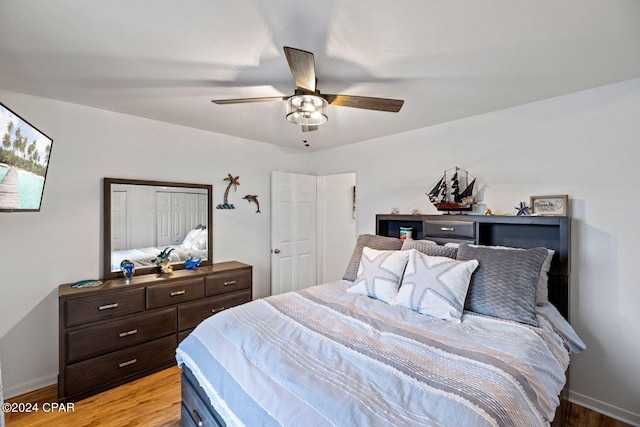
(309, 128)
(365, 102)
(302, 67)
(245, 100)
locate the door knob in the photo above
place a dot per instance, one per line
(276, 251)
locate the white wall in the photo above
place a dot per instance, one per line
(336, 225)
(62, 243)
(585, 145)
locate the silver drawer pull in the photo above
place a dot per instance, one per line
(108, 306)
(127, 333)
(447, 229)
(215, 310)
(176, 293)
(127, 363)
(233, 282)
(198, 418)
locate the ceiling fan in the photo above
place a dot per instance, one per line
(307, 106)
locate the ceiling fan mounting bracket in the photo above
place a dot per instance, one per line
(300, 91)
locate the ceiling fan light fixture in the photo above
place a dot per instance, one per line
(307, 110)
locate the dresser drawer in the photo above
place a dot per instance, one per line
(193, 410)
(228, 282)
(450, 229)
(103, 306)
(174, 292)
(190, 315)
(97, 372)
(111, 336)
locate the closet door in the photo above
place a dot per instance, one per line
(178, 217)
(163, 219)
(192, 215)
(203, 212)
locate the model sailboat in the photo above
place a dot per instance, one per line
(446, 195)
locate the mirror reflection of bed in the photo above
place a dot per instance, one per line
(146, 217)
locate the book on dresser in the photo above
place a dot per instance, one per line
(121, 331)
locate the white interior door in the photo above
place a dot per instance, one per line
(293, 232)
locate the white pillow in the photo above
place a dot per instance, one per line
(200, 242)
(189, 239)
(434, 285)
(380, 273)
(542, 290)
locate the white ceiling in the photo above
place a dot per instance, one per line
(167, 59)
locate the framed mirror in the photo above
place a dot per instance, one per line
(143, 218)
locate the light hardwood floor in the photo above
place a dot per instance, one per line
(150, 401)
(155, 401)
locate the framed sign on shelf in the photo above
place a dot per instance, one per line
(550, 205)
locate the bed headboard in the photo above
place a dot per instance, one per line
(553, 232)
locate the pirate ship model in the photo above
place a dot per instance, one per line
(446, 195)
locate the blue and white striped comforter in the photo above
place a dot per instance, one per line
(322, 356)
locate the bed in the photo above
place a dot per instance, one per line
(410, 337)
(194, 245)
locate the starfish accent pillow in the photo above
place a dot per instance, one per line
(379, 274)
(435, 285)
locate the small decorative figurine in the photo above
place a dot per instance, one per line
(162, 260)
(166, 268)
(232, 181)
(446, 194)
(253, 198)
(192, 264)
(523, 209)
(128, 269)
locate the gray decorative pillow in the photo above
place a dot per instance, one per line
(380, 243)
(380, 273)
(430, 248)
(542, 293)
(504, 284)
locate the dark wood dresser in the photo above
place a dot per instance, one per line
(118, 332)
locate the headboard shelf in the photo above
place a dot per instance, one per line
(552, 232)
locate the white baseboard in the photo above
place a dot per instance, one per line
(29, 386)
(605, 408)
